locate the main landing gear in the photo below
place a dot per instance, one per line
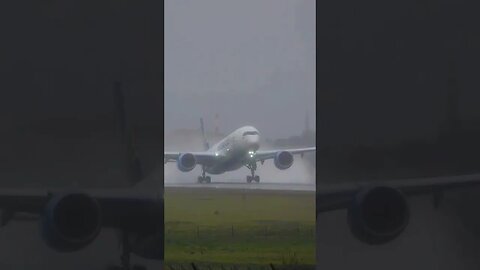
(253, 177)
(125, 257)
(203, 178)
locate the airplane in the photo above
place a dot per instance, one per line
(377, 212)
(72, 218)
(238, 149)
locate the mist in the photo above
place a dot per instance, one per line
(301, 172)
(238, 63)
(250, 62)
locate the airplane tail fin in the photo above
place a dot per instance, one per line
(133, 163)
(205, 142)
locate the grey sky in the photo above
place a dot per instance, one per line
(252, 61)
(385, 66)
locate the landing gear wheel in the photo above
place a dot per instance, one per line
(125, 256)
(253, 177)
(204, 179)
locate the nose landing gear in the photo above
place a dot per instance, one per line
(253, 177)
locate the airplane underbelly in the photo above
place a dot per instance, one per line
(226, 165)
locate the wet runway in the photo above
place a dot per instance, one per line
(245, 186)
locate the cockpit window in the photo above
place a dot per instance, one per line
(250, 133)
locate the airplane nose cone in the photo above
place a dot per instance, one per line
(254, 142)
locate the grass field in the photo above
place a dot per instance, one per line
(239, 227)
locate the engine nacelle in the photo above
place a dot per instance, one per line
(283, 160)
(378, 215)
(71, 221)
(186, 162)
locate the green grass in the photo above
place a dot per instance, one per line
(234, 227)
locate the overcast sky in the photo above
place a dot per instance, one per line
(252, 62)
(384, 67)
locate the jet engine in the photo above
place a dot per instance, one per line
(283, 160)
(378, 215)
(70, 222)
(186, 162)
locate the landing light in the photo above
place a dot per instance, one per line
(216, 154)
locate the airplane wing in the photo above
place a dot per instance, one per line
(378, 212)
(33, 201)
(171, 156)
(339, 196)
(202, 158)
(268, 154)
(68, 216)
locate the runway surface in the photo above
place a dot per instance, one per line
(245, 186)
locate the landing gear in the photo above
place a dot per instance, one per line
(126, 249)
(253, 177)
(125, 257)
(204, 179)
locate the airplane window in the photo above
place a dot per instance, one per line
(250, 133)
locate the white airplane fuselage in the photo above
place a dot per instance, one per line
(234, 150)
